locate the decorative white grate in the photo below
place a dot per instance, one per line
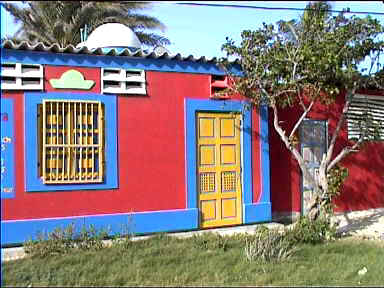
(18, 76)
(121, 81)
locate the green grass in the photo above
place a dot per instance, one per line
(205, 261)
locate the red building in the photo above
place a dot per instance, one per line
(118, 137)
(114, 137)
(364, 186)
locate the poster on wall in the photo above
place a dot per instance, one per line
(7, 156)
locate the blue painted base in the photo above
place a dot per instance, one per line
(260, 212)
(19, 231)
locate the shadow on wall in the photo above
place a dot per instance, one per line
(283, 170)
(364, 187)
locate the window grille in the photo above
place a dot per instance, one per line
(71, 141)
(228, 181)
(18, 76)
(366, 115)
(207, 182)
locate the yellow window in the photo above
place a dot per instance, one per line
(71, 141)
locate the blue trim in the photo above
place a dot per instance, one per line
(259, 212)
(265, 169)
(18, 231)
(33, 183)
(7, 149)
(125, 62)
(191, 107)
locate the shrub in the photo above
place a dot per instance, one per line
(90, 239)
(63, 241)
(268, 245)
(313, 232)
(210, 241)
(124, 239)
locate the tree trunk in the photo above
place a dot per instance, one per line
(321, 192)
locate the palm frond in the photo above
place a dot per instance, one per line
(60, 21)
(151, 39)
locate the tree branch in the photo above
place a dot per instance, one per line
(301, 119)
(345, 152)
(338, 127)
(290, 147)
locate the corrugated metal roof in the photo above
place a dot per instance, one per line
(70, 49)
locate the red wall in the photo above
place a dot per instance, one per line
(55, 72)
(151, 152)
(361, 190)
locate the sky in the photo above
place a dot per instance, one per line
(201, 30)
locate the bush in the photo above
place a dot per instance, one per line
(90, 239)
(313, 232)
(63, 241)
(268, 245)
(210, 241)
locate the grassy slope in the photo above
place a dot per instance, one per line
(169, 261)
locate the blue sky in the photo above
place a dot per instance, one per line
(201, 31)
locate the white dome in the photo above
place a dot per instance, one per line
(111, 35)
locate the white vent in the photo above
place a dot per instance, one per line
(366, 113)
(121, 81)
(18, 76)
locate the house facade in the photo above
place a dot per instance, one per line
(126, 140)
(116, 139)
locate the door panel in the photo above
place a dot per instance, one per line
(219, 186)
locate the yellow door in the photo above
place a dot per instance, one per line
(219, 186)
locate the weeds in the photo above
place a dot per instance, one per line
(267, 246)
(124, 239)
(64, 241)
(60, 241)
(210, 241)
(311, 232)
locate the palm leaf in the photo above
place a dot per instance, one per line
(60, 21)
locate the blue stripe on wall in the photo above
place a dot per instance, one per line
(18, 231)
(125, 62)
(33, 183)
(7, 148)
(265, 169)
(261, 211)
